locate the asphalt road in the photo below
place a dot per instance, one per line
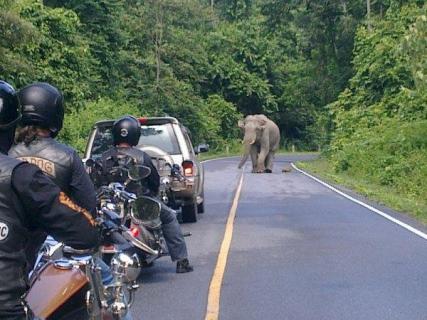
(299, 251)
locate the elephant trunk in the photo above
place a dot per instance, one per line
(247, 143)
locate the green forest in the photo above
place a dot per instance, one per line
(347, 77)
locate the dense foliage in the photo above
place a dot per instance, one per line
(333, 74)
(381, 118)
(207, 63)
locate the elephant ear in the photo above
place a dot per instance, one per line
(241, 124)
(262, 122)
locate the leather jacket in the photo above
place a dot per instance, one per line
(149, 185)
(31, 201)
(13, 237)
(52, 157)
(62, 164)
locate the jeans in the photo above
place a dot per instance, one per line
(107, 276)
(173, 234)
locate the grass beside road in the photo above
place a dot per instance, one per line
(387, 196)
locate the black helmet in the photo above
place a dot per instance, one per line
(126, 129)
(9, 114)
(42, 105)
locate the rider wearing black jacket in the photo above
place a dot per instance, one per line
(126, 132)
(42, 113)
(30, 201)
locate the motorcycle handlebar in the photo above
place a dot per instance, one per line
(176, 173)
(110, 214)
(113, 229)
(127, 196)
(115, 189)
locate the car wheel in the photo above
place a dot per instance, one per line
(201, 207)
(189, 212)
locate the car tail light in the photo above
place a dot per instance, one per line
(188, 168)
(134, 231)
(142, 120)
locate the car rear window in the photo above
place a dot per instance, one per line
(102, 142)
(161, 136)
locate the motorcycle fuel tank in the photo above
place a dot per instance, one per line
(53, 287)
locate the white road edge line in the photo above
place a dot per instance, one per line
(367, 206)
(214, 159)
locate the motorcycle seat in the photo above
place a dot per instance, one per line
(69, 251)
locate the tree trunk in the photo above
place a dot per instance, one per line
(368, 14)
(344, 7)
(158, 41)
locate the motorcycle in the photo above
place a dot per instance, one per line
(140, 214)
(71, 287)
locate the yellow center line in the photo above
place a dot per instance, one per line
(214, 295)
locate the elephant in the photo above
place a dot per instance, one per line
(261, 141)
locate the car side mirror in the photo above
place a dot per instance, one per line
(202, 148)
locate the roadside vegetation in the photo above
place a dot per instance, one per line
(416, 206)
(208, 63)
(379, 136)
(345, 77)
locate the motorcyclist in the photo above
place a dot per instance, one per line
(126, 132)
(28, 201)
(42, 111)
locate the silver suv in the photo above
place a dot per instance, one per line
(165, 140)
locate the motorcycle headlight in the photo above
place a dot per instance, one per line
(126, 266)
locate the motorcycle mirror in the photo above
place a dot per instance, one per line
(90, 162)
(145, 209)
(138, 172)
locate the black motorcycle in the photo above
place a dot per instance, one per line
(141, 215)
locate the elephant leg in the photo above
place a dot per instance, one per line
(269, 162)
(261, 161)
(254, 157)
